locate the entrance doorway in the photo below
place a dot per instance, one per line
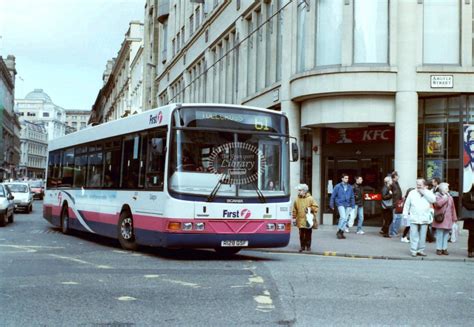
(372, 169)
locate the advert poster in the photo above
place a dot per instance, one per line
(434, 168)
(468, 172)
(468, 158)
(434, 141)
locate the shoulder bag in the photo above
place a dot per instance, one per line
(439, 217)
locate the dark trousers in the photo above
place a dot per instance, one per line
(406, 231)
(470, 241)
(387, 217)
(305, 237)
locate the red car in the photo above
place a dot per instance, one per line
(37, 187)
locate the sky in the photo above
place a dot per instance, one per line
(62, 46)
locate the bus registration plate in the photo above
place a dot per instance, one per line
(234, 243)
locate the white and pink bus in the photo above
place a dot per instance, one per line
(183, 175)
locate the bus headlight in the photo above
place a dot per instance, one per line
(187, 226)
(199, 226)
(271, 227)
(280, 227)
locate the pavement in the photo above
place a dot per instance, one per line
(371, 245)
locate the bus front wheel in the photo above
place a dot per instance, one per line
(126, 234)
(65, 220)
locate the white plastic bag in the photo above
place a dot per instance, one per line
(309, 218)
(454, 232)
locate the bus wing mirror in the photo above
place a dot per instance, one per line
(295, 153)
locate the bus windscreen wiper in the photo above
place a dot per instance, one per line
(260, 195)
(213, 194)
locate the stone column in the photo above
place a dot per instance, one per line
(290, 108)
(406, 99)
(316, 171)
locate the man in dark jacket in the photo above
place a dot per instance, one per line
(342, 197)
(359, 203)
(397, 194)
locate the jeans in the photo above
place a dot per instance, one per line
(343, 215)
(395, 226)
(359, 214)
(442, 236)
(418, 237)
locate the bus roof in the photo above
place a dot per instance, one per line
(148, 119)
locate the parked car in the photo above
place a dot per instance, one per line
(23, 195)
(7, 206)
(37, 187)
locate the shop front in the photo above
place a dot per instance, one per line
(366, 152)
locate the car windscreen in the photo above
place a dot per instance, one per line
(36, 184)
(18, 188)
(2, 192)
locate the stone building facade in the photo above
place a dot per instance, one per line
(77, 119)
(9, 125)
(34, 150)
(122, 93)
(383, 75)
(37, 107)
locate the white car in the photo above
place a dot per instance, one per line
(23, 195)
(6, 206)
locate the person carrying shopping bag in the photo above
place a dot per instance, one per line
(303, 206)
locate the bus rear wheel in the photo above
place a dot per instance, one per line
(65, 220)
(126, 235)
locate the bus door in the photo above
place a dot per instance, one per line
(151, 174)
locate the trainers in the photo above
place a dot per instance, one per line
(346, 230)
(360, 232)
(405, 240)
(413, 254)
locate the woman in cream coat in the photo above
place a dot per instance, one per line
(419, 210)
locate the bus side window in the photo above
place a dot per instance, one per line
(80, 169)
(94, 170)
(130, 162)
(155, 169)
(68, 167)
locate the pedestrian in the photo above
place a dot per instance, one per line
(418, 208)
(387, 206)
(467, 214)
(342, 197)
(435, 181)
(444, 206)
(396, 196)
(359, 204)
(302, 203)
(431, 232)
(406, 220)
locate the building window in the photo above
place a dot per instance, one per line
(441, 31)
(329, 32)
(191, 25)
(301, 35)
(370, 31)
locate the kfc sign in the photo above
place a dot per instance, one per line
(374, 134)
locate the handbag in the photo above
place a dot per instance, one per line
(399, 205)
(439, 217)
(309, 218)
